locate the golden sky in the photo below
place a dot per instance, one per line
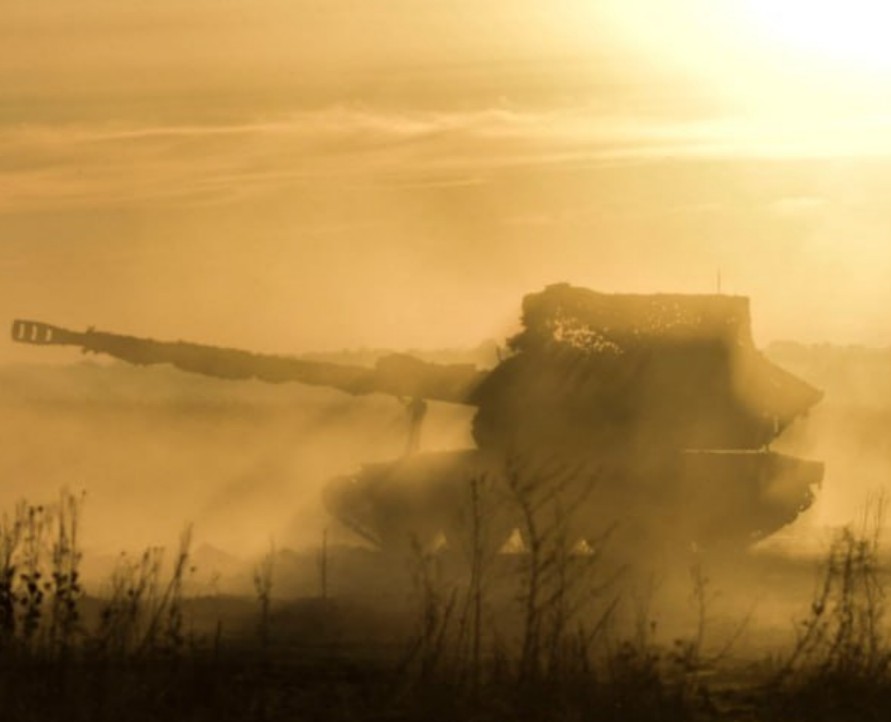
(291, 175)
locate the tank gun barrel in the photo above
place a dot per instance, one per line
(44, 334)
(397, 374)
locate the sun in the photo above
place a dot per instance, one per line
(805, 73)
(856, 33)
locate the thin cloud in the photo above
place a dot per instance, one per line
(72, 166)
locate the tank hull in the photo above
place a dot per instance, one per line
(711, 499)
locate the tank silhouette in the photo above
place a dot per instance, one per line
(657, 410)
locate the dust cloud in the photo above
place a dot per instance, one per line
(847, 430)
(157, 449)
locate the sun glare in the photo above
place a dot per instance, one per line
(854, 32)
(803, 63)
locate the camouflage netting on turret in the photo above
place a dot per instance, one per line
(596, 323)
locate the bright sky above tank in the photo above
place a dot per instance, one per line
(291, 175)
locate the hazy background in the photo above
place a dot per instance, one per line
(297, 175)
(294, 175)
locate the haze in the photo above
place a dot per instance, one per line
(288, 176)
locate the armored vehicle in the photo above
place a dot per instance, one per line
(651, 413)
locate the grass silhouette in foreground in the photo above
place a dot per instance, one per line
(131, 655)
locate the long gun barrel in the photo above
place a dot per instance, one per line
(397, 374)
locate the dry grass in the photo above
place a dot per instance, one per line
(840, 666)
(550, 650)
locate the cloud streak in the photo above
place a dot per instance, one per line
(48, 167)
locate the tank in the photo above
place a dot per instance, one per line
(652, 414)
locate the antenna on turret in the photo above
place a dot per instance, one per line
(718, 279)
